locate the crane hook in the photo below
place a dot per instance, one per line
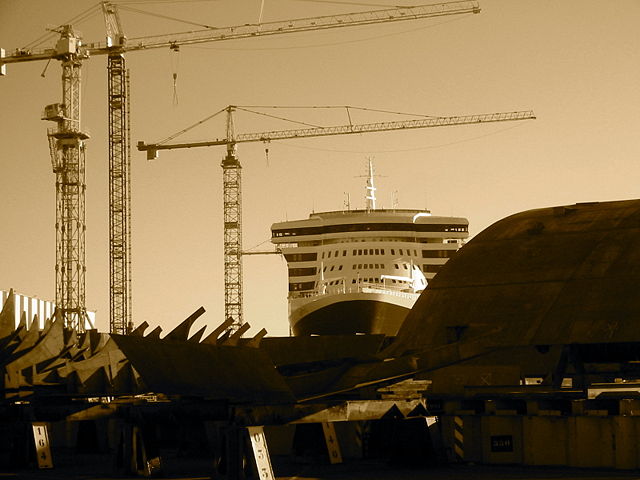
(266, 151)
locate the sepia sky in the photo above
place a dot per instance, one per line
(576, 63)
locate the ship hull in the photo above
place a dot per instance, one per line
(344, 314)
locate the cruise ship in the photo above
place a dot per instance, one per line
(361, 271)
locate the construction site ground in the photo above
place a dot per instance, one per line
(285, 469)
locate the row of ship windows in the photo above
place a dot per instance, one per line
(302, 272)
(307, 257)
(370, 227)
(369, 251)
(334, 241)
(299, 286)
(365, 280)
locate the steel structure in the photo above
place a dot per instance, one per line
(119, 209)
(119, 198)
(67, 148)
(232, 178)
(232, 218)
(120, 321)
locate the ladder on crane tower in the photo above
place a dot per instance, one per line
(231, 169)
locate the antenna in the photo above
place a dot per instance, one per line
(347, 201)
(370, 189)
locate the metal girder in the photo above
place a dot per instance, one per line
(428, 122)
(119, 197)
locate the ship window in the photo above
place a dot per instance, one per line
(415, 252)
(332, 266)
(371, 265)
(324, 269)
(382, 266)
(329, 255)
(300, 257)
(344, 253)
(405, 267)
(376, 265)
(359, 252)
(377, 251)
(396, 265)
(426, 268)
(301, 272)
(371, 251)
(337, 252)
(393, 281)
(295, 287)
(353, 280)
(359, 266)
(393, 252)
(438, 253)
(400, 251)
(340, 267)
(355, 251)
(365, 252)
(354, 266)
(382, 251)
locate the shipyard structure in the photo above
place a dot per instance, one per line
(522, 350)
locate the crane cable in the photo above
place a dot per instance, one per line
(175, 64)
(81, 17)
(167, 17)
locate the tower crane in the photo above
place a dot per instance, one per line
(67, 142)
(231, 177)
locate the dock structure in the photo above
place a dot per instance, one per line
(523, 350)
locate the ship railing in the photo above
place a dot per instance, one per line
(362, 288)
(395, 293)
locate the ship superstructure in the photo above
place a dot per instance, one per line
(361, 271)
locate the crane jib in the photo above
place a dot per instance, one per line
(122, 44)
(348, 129)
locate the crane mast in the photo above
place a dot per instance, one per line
(232, 217)
(67, 148)
(119, 177)
(232, 177)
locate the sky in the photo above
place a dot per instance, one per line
(576, 63)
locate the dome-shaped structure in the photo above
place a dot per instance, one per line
(552, 276)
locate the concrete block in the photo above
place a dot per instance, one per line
(625, 431)
(591, 443)
(502, 440)
(544, 440)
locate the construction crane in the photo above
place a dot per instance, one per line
(120, 315)
(231, 177)
(67, 143)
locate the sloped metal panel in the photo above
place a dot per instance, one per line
(184, 368)
(560, 275)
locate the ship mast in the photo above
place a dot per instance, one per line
(370, 190)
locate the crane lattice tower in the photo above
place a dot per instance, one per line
(67, 147)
